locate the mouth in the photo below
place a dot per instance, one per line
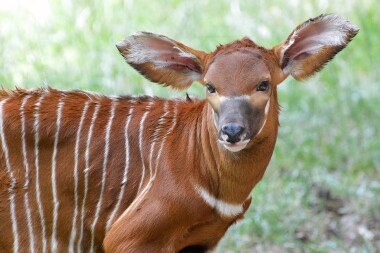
(234, 147)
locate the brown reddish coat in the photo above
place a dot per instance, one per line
(83, 172)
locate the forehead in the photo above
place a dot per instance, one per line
(238, 67)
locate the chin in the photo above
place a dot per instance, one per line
(234, 147)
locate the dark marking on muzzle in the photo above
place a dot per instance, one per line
(233, 131)
(237, 120)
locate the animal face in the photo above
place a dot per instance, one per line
(239, 88)
(240, 78)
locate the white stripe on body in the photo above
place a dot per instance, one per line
(141, 131)
(26, 185)
(125, 173)
(13, 181)
(104, 174)
(73, 228)
(38, 192)
(23, 142)
(87, 167)
(161, 120)
(174, 123)
(152, 146)
(156, 132)
(54, 243)
(141, 196)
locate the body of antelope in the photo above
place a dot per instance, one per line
(81, 172)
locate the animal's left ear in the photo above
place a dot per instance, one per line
(312, 44)
(163, 60)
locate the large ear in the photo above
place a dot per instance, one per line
(163, 60)
(312, 44)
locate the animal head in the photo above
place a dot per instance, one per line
(240, 78)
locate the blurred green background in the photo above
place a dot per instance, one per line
(321, 192)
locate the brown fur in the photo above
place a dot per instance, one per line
(166, 214)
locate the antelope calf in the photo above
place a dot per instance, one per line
(87, 173)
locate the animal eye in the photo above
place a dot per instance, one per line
(210, 88)
(264, 85)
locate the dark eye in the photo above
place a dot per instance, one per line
(210, 88)
(264, 86)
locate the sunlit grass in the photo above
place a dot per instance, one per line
(329, 140)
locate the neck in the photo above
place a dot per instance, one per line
(232, 176)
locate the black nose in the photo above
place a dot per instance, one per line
(233, 131)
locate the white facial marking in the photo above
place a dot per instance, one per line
(78, 136)
(125, 173)
(13, 181)
(223, 98)
(26, 185)
(104, 174)
(87, 167)
(267, 106)
(236, 146)
(214, 119)
(53, 178)
(223, 208)
(37, 166)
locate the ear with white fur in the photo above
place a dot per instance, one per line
(312, 44)
(163, 60)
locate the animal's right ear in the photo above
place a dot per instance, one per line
(163, 60)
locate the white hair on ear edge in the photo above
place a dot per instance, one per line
(312, 35)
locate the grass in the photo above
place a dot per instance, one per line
(321, 191)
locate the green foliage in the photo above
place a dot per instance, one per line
(321, 191)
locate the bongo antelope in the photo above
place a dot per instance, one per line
(81, 172)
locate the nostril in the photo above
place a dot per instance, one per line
(232, 130)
